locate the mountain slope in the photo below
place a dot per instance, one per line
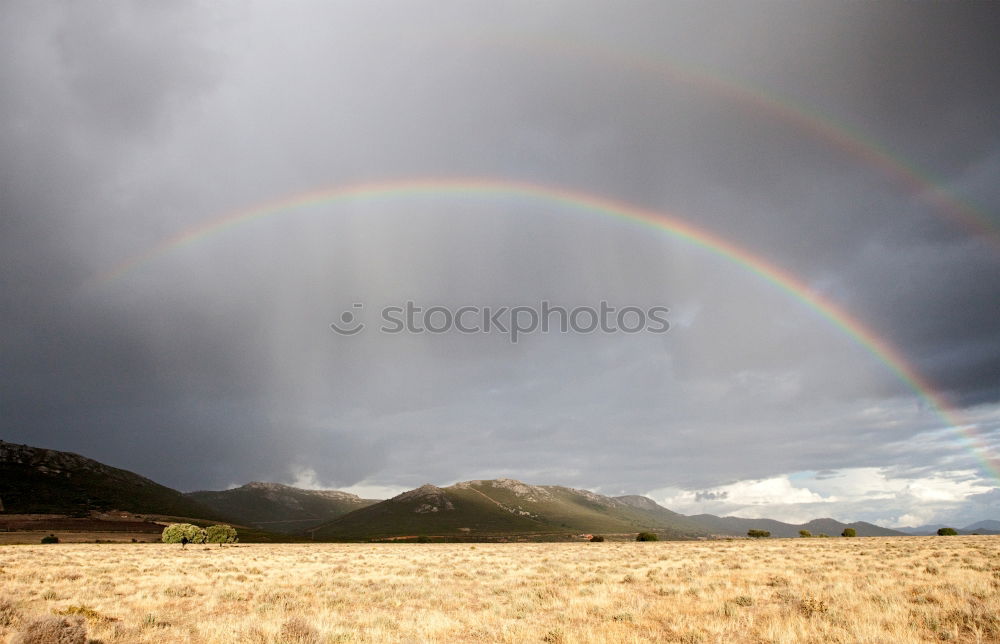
(662, 516)
(427, 510)
(989, 526)
(738, 526)
(280, 508)
(503, 508)
(34, 480)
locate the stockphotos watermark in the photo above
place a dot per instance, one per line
(512, 321)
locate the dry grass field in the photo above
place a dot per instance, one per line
(890, 590)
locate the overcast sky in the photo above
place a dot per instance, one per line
(835, 140)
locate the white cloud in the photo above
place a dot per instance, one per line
(307, 479)
(865, 493)
(372, 491)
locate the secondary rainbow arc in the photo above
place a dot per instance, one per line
(803, 117)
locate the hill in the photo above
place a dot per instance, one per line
(34, 480)
(989, 526)
(43, 481)
(738, 526)
(503, 509)
(279, 508)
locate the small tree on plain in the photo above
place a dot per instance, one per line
(805, 534)
(849, 532)
(646, 536)
(220, 534)
(178, 532)
(758, 534)
(947, 532)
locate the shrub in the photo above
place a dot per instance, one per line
(299, 631)
(50, 539)
(53, 630)
(86, 612)
(758, 534)
(646, 536)
(8, 612)
(849, 532)
(423, 539)
(805, 534)
(221, 534)
(810, 606)
(175, 532)
(599, 539)
(947, 532)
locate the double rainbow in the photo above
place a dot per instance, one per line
(878, 347)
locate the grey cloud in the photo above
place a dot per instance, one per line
(214, 364)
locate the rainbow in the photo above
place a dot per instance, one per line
(799, 115)
(579, 201)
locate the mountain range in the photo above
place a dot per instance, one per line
(36, 481)
(988, 526)
(279, 508)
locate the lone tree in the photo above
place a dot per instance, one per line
(947, 532)
(183, 533)
(758, 534)
(849, 532)
(646, 536)
(220, 534)
(805, 534)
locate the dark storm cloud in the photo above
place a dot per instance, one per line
(214, 364)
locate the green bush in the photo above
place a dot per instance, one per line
(599, 539)
(758, 534)
(849, 532)
(646, 536)
(805, 534)
(423, 539)
(50, 539)
(176, 532)
(947, 532)
(220, 534)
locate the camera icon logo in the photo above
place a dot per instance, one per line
(349, 324)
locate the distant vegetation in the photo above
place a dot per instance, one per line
(183, 533)
(947, 532)
(849, 532)
(758, 534)
(279, 508)
(50, 539)
(645, 536)
(597, 538)
(805, 534)
(221, 534)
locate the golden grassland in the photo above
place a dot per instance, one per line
(892, 590)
